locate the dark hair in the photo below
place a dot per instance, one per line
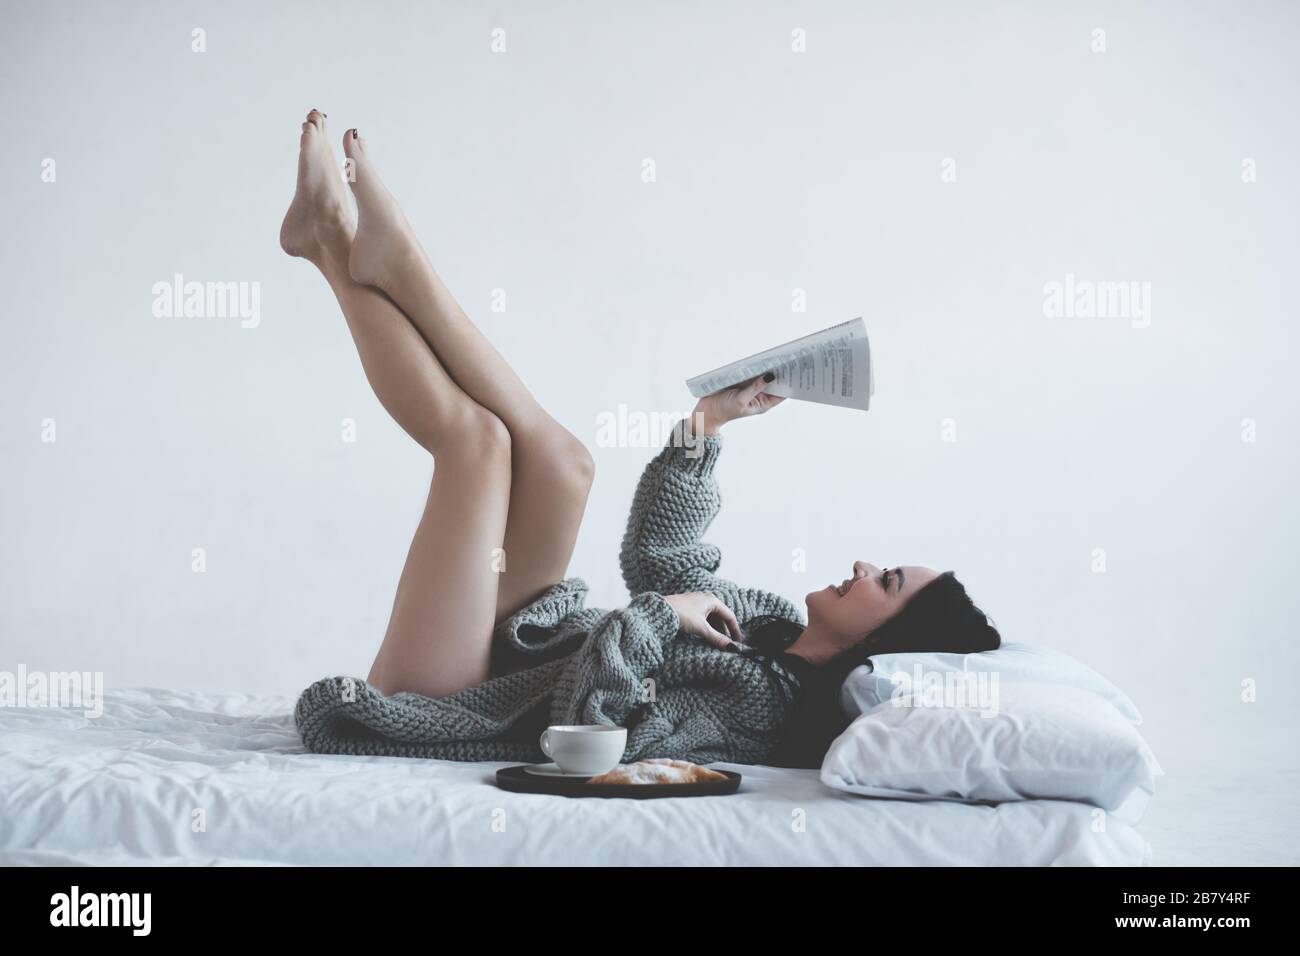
(939, 617)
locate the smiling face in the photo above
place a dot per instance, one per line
(851, 610)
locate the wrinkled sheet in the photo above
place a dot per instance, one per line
(196, 778)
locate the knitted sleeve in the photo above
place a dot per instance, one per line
(675, 501)
(607, 677)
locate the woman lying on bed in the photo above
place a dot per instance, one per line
(488, 642)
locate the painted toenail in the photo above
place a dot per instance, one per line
(354, 134)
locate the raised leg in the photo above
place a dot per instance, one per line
(552, 470)
(439, 634)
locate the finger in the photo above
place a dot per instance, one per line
(728, 618)
(765, 403)
(712, 636)
(721, 612)
(755, 386)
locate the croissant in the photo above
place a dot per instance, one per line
(659, 770)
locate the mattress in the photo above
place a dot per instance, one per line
(194, 778)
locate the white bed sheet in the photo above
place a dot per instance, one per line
(1241, 814)
(124, 788)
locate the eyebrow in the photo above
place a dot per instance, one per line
(902, 579)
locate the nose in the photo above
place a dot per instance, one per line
(862, 567)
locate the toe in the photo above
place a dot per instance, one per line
(317, 119)
(353, 144)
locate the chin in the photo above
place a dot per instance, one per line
(813, 599)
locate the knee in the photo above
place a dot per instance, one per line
(583, 465)
(489, 436)
(479, 437)
(571, 464)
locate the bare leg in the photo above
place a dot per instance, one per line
(439, 635)
(552, 470)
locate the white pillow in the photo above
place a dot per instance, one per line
(866, 687)
(1029, 741)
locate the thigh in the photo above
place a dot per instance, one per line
(439, 635)
(551, 479)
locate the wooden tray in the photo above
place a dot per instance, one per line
(519, 780)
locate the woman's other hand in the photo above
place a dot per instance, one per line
(702, 614)
(739, 401)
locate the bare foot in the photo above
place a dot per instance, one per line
(319, 223)
(384, 241)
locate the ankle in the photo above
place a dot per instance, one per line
(332, 260)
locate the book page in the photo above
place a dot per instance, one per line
(836, 374)
(831, 367)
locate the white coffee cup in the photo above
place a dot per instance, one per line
(584, 748)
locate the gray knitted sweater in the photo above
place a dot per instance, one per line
(559, 662)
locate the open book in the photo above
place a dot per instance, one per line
(832, 367)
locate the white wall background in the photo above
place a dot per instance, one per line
(776, 171)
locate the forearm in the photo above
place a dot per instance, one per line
(677, 497)
(703, 422)
(675, 501)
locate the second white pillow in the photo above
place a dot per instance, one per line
(1038, 741)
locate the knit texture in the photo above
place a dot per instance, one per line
(558, 662)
